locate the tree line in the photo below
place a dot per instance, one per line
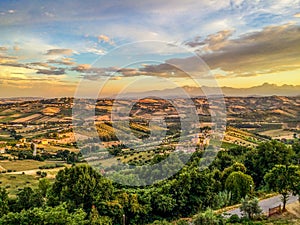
(81, 195)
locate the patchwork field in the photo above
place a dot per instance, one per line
(15, 182)
(278, 134)
(23, 165)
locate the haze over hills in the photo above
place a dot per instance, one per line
(265, 89)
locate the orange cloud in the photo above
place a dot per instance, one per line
(105, 39)
(82, 67)
(60, 52)
(297, 15)
(2, 48)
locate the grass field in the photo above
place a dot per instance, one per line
(15, 182)
(292, 216)
(23, 165)
(278, 133)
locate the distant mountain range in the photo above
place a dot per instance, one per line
(265, 89)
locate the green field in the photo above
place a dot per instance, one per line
(15, 182)
(23, 165)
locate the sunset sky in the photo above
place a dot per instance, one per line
(48, 47)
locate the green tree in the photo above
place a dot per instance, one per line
(265, 157)
(41, 216)
(280, 179)
(80, 186)
(28, 198)
(95, 219)
(250, 207)
(44, 186)
(234, 168)
(296, 149)
(3, 201)
(208, 218)
(239, 184)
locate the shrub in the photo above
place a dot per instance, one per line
(234, 219)
(209, 218)
(250, 207)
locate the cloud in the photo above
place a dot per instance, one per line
(93, 73)
(270, 50)
(16, 48)
(273, 49)
(15, 64)
(63, 61)
(213, 42)
(7, 59)
(39, 64)
(51, 72)
(60, 52)
(297, 15)
(95, 50)
(82, 67)
(106, 39)
(38, 67)
(3, 49)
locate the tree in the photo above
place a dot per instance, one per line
(239, 184)
(44, 186)
(95, 219)
(295, 182)
(80, 186)
(272, 153)
(250, 207)
(208, 218)
(234, 168)
(280, 179)
(3, 201)
(296, 149)
(58, 215)
(28, 198)
(268, 154)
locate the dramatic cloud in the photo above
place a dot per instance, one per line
(39, 67)
(273, 49)
(7, 59)
(213, 42)
(94, 73)
(60, 52)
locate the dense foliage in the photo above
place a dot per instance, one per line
(81, 195)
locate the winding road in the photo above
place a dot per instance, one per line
(265, 205)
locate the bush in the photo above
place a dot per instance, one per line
(182, 222)
(208, 217)
(234, 219)
(161, 222)
(250, 207)
(43, 174)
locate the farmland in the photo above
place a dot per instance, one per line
(47, 124)
(39, 138)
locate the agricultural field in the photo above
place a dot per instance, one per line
(23, 165)
(16, 182)
(279, 134)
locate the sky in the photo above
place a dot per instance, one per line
(66, 48)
